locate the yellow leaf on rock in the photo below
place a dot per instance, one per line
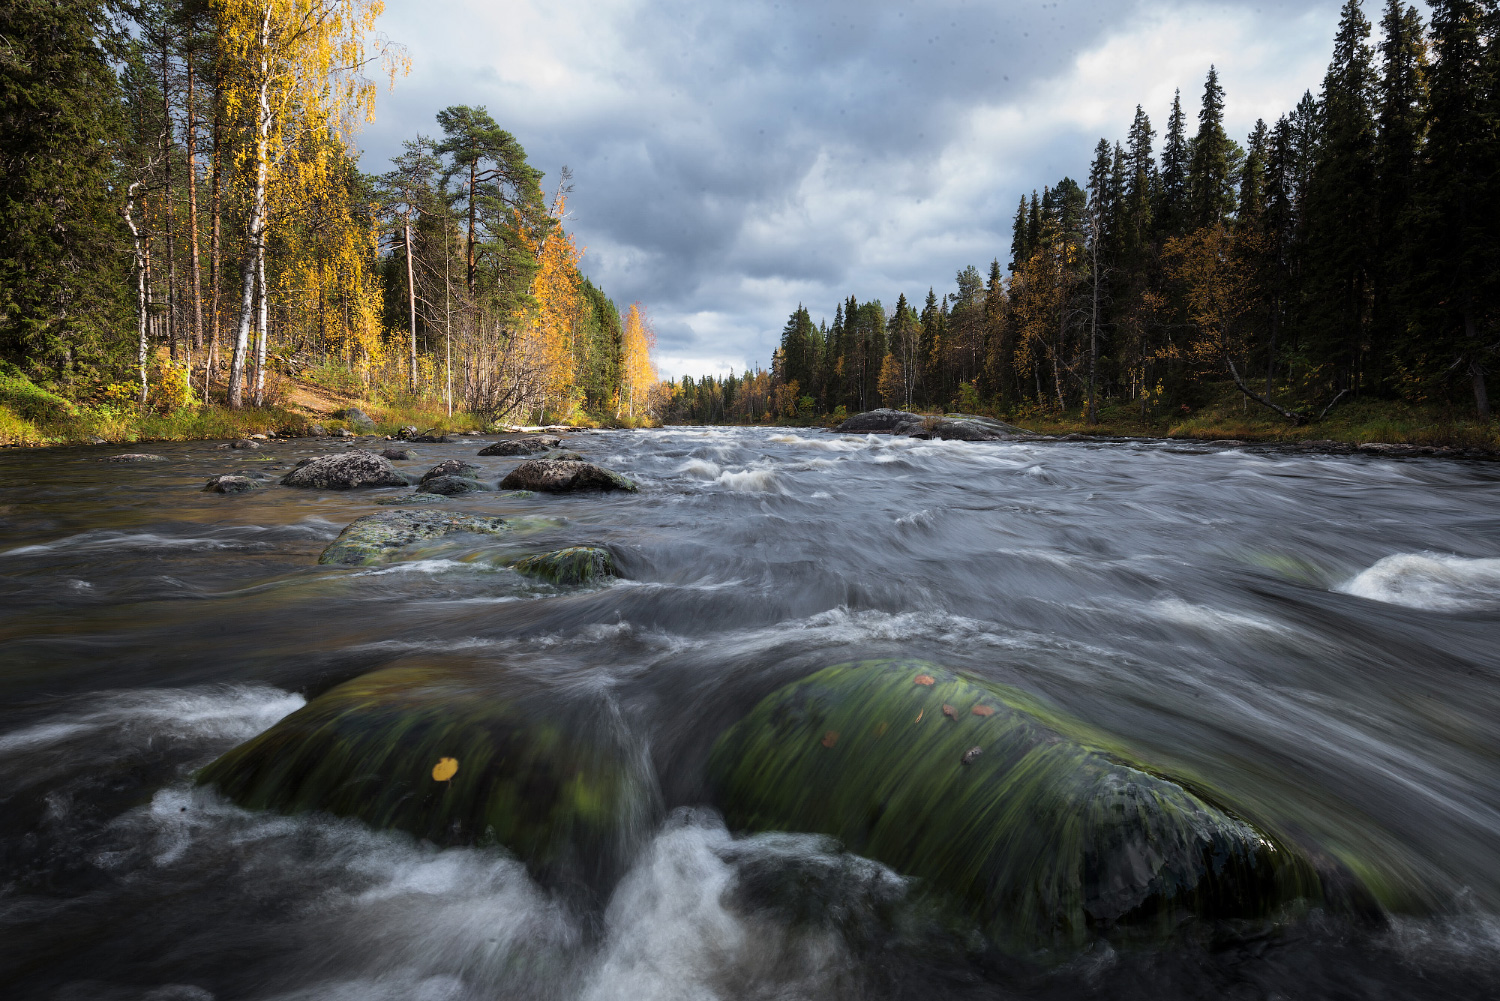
(983, 711)
(924, 679)
(445, 769)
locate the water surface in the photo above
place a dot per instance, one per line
(1313, 637)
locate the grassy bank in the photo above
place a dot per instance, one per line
(32, 416)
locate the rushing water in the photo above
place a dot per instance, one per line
(1315, 637)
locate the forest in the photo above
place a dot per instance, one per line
(185, 229)
(1347, 251)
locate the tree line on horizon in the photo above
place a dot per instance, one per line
(183, 218)
(1349, 249)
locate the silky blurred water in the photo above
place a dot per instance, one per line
(1313, 637)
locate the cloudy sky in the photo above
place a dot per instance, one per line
(733, 160)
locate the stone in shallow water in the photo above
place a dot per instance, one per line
(378, 536)
(451, 467)
(574, 565)
(395, 454)
(1005, 807)
(344, 471)
(451, 486)
(411, 498)
(558, 476)
(529, 445)
(231, 483)
(134, 457)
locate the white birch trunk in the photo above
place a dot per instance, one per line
(257, 228)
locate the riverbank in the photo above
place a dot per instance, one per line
(32, 417)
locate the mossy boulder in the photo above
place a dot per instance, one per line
(559, 476)
(527, 445)
(344, 471)
(997, 803)
(232, 483)
(376, 537)
(456, 756)
(451, 467)
(574, 565)
(451, 486)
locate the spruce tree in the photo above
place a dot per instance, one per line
(1400, 103)
(1140, 183)
(1019, 250)
(1171, 207)
(1456, 295)
(1340, 209)
(1252, 197)
(1213, 161)
(64, 257)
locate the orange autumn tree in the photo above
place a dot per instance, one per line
(554, 326)
(638, 372)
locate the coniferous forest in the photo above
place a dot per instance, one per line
(185, 225)
(1350, 250)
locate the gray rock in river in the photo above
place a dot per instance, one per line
(451, 467)
(402, 500)
(562, 476)
(344, 472)
(377, 536)
(231, 483)
(451, 486)
(396, 454)
(134, 457)
(529, 445)
(949, 427)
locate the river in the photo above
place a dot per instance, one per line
(1313, 636)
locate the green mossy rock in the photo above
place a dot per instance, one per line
(574, 565)
(1016, 814)
(377, 536)
(548, 777)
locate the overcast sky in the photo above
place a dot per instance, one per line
(733, 160)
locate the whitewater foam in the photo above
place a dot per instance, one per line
(1430, 581)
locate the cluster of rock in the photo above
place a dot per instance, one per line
(948, 427)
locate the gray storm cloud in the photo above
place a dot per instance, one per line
(731, 161)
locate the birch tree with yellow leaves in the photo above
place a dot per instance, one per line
(294, 68)
(638, 374)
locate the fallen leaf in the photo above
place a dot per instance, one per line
(970, 755)
(445, 769)
(830, 738)
(983, 711)
(919, 716)
(949, 711)
(881, 728)
(924, 679)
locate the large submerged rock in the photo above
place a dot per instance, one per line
(949, 427)
(377, 536)
(529, 445)
(574, 565)
(344, 471)
(998, 803)
(456, 756)
(558, 476)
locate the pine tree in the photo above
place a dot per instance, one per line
(1456, 295)
(1340, 210)
(1213, 163)
(1019, 248)
(1401, 98)
(1139, 184)
(63, 257)
(1252, 197)
(1171, 203)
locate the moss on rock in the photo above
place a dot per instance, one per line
(574, 565)
(457, 756)
(1011, 810)
(378, 536)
